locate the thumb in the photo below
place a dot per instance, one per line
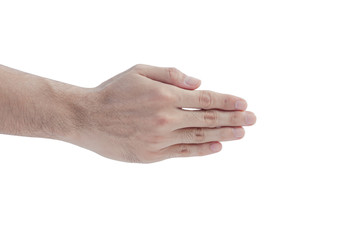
(168, 75)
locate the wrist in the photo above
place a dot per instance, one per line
(73, 109)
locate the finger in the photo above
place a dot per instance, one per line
(205, 99)
(169, 75)
(203, 135)
(190, 150)
(215, 118)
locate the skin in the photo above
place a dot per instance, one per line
(136, 116)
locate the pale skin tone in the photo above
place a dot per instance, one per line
(136, 116)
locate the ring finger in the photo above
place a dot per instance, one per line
(203, 135)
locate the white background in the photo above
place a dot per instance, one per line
(295, 175)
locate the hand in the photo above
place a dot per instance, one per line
(137, 116)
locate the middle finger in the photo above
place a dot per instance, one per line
(216, 118)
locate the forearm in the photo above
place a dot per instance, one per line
(35, 106)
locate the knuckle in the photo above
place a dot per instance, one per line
(163, 96)
(205, 99)
(168, 97)
(161, 120)
(226, 101)
(195, 135)
(137, 67)
(183, 150)
(199, 135)
(235, 118)
(173, 73)
(211, 118)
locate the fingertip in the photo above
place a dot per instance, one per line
(239, 132)
(198, 85)
(250, 118)
(191, 82)
(240, 104)
(215, 147)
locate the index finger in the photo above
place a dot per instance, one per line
(205, 99)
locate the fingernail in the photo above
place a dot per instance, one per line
(215, 147)
(238, 132)
(250, 118)
(191, 82)
(240, 105)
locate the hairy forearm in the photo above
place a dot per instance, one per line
(35, 106)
